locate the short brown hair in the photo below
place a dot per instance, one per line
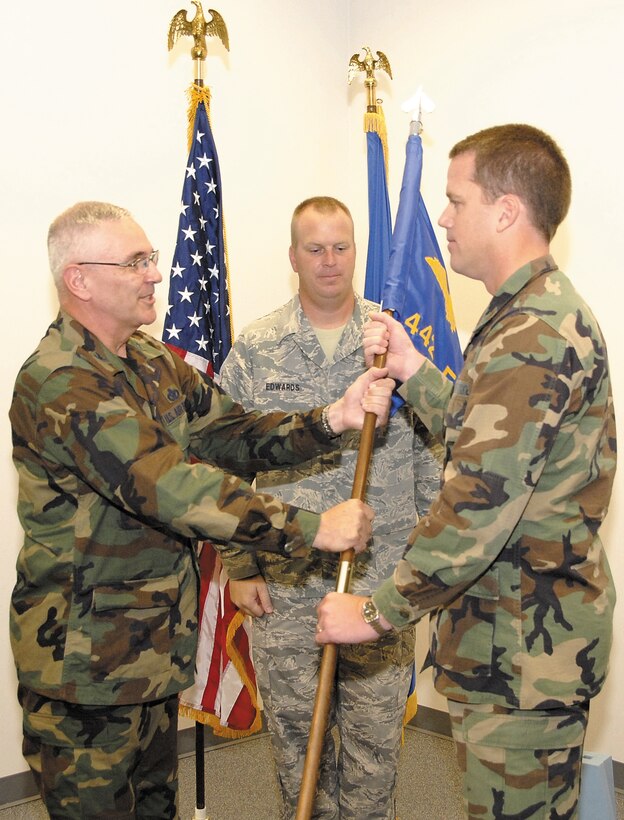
(522, 160)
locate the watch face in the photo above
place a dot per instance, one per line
(370, 612)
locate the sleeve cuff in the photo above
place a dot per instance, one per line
(392, 605)
(301, 532)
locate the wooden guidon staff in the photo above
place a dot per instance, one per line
(327, 669)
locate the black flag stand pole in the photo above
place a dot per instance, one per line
(200, 793)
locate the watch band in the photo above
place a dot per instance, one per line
(327, 428)
(370, 613)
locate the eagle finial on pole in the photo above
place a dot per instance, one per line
(198, 28)
(369, 65)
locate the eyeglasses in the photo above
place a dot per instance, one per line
(139, 265)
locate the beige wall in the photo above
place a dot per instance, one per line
(94, 107)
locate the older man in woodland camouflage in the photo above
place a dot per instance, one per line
(105, 423)
(509, 557)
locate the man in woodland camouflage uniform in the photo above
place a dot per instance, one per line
(104, 612)
(305, 353)
(509, 554)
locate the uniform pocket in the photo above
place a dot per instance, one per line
(464, 634)
(60, 724)
(132, 627)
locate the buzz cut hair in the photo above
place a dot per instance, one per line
(322, 204)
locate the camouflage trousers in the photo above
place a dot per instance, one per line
(357, 774)
(519, 764)
(113, 762)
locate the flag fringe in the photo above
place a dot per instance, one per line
(376, 122)
(226, 256)
(411, 708)
(199, 716)
(208, 719)
(239, 664)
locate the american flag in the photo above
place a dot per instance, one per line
(198, 328)
(198, 316)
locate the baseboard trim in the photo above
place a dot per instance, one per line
(20, 788)
(17, 788)
(432, 721)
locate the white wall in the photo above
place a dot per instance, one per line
(94, 107)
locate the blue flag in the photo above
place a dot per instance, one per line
(379, 219)
(416, 285)
(379, 249)
(198, 324)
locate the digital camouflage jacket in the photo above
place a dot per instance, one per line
(510, 554)
(104, 610)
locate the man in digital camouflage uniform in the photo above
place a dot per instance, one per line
(509, 554)
(104, 612)
(305, 353)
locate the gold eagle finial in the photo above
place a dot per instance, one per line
(198, 28)
(369, 64)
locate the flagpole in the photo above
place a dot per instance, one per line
(200, 740)
(327, 669)
(198, 28)
(200, 745)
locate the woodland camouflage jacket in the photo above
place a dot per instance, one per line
(510, 554)
(105, 606)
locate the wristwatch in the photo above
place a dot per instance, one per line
(370, 613)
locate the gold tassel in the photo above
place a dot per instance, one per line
(376, 122)
(196, 94)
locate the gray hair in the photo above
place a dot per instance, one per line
(68, 231)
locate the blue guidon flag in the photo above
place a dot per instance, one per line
(416, 284)
(379, 219)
